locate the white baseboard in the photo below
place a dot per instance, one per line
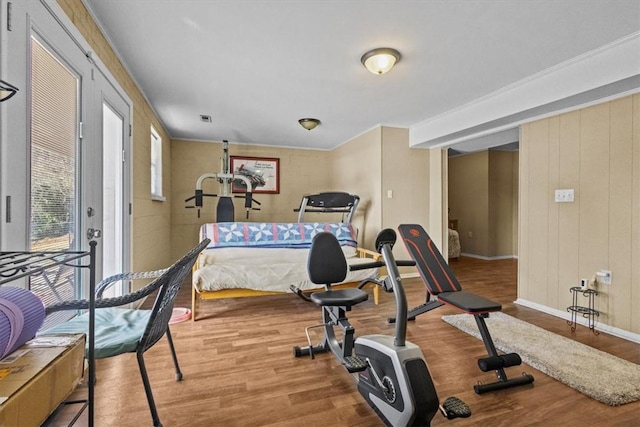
(620, 333)
(489, 258)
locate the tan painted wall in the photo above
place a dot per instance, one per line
(483, 199)
(151, 235)
(357, 169)
(405, 172)
(469, 200)
(595, 151)
(374, 163)
(501, 203)
(301, 172)
(515, 202)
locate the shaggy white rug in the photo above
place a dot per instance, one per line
(597, 374)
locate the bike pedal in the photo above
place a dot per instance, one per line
(355, 364)
(453, 407)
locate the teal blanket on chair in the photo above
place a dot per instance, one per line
(126, 324)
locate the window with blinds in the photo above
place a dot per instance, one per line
(54, 136)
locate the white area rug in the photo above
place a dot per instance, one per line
(597, 374)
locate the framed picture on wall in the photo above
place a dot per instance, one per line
(263, 172)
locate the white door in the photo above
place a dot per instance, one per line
(60, 135)
(111, 206)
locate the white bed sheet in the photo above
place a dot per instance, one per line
(259, 256)
(254, 271)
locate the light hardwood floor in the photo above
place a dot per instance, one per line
(239, 368)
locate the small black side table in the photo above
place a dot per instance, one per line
(588, 312)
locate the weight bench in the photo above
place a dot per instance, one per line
(442, 284)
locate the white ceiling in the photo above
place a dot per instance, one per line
(258, 66)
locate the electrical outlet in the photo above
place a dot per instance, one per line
(604, 277)
(564, 195)
(470, 234)
(584, 283)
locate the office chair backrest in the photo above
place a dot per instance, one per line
(326, 263)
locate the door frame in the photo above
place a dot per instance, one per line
(7, 241)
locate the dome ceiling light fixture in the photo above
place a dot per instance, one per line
(380, 60)
(309, 123)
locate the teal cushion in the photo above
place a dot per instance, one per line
(117, 330)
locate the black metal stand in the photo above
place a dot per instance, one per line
(17, 265)
(589, 312)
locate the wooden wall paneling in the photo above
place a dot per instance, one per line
(598, 155)
(553, 285)
(540, 195)
(634, 297)
(523, 213)
(620, 205)
(568, 213)
(594, 197)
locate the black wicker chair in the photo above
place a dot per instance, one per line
(141, 329)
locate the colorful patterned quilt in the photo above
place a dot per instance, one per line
(274, 235)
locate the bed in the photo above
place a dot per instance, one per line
(454, 244)
(255, 259)
(454, 240)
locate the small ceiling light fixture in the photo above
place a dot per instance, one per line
(309, 123)
(205, 118)
(380, 60)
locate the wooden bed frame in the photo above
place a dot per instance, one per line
(196, 296)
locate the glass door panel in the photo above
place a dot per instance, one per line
(112, 221)
(53, 164)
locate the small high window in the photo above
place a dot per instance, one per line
(156, 166)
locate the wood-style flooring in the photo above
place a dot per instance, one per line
(239, 368)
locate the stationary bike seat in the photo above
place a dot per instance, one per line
(340, 297)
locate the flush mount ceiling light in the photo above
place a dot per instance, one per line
(309, 123)
(380, 60)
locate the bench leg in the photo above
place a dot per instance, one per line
(499, 363)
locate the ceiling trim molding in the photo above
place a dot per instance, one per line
(248, 144)
(377, 126)
(112, 46)
(607, 72)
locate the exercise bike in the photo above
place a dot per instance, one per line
(391, 372)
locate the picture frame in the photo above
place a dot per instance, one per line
(263, 172)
